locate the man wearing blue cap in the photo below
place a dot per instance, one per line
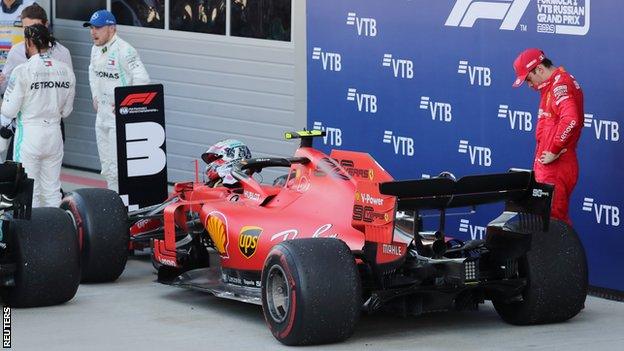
(114, 63)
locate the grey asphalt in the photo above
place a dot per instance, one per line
(136, 313)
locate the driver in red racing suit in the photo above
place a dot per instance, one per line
(559, 125)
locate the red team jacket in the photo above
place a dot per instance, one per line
(559, 125)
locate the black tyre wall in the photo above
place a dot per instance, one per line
(102, 224)
(557, 282)
(326, 291)
(45, 250)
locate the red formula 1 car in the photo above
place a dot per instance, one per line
(340, 236)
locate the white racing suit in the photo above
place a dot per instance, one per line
(112, 65)
(40, 92)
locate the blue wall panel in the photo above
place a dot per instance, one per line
(425, 86)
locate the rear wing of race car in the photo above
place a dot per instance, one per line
(519, 190)
(306, 136)
(16, 190)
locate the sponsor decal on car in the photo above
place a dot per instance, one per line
(390, 249)
(216, 225)
(331, 167)
(367, 214)
(167, 261)
(248, 240)
(368, 199)
(251, 195)
(241, 281)
(290, 234)
(361, 173)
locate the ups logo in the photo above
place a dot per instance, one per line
(248, 240)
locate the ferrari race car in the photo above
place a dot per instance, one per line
(39, 250)
(341, 236)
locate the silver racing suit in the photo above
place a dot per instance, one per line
(113, 64)
(40, 92)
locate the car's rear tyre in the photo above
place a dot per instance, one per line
(45, 251)
(102, 225)
(556, 273)
(311, 291)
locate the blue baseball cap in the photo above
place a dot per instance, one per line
(101, 18)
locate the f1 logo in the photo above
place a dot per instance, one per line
(466, 12)
(139, 98)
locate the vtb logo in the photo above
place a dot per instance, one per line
(478, 75)
(466, 12)
(607, 214)
(365, 26)
(520, 120)
(331, 61)
(402, 145)
(476, 231)
(333, 136)
(138, 98)
(479, 155)
(365, 102)
(441, 111)
(401, 68)
(604, 130)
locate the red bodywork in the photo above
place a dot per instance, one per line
(335, 196)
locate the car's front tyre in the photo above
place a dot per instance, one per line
(102, 223)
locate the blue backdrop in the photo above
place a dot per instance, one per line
(425, 86)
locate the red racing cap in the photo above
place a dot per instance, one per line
(525, 63)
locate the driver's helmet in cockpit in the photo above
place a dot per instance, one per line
(220, 158)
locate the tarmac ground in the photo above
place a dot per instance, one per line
(137, 313)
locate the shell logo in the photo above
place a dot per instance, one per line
(218, 233)
(357, 196)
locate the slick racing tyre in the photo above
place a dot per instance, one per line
(311, 291)
(102, 224)
(47, 258)
(556, 272)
